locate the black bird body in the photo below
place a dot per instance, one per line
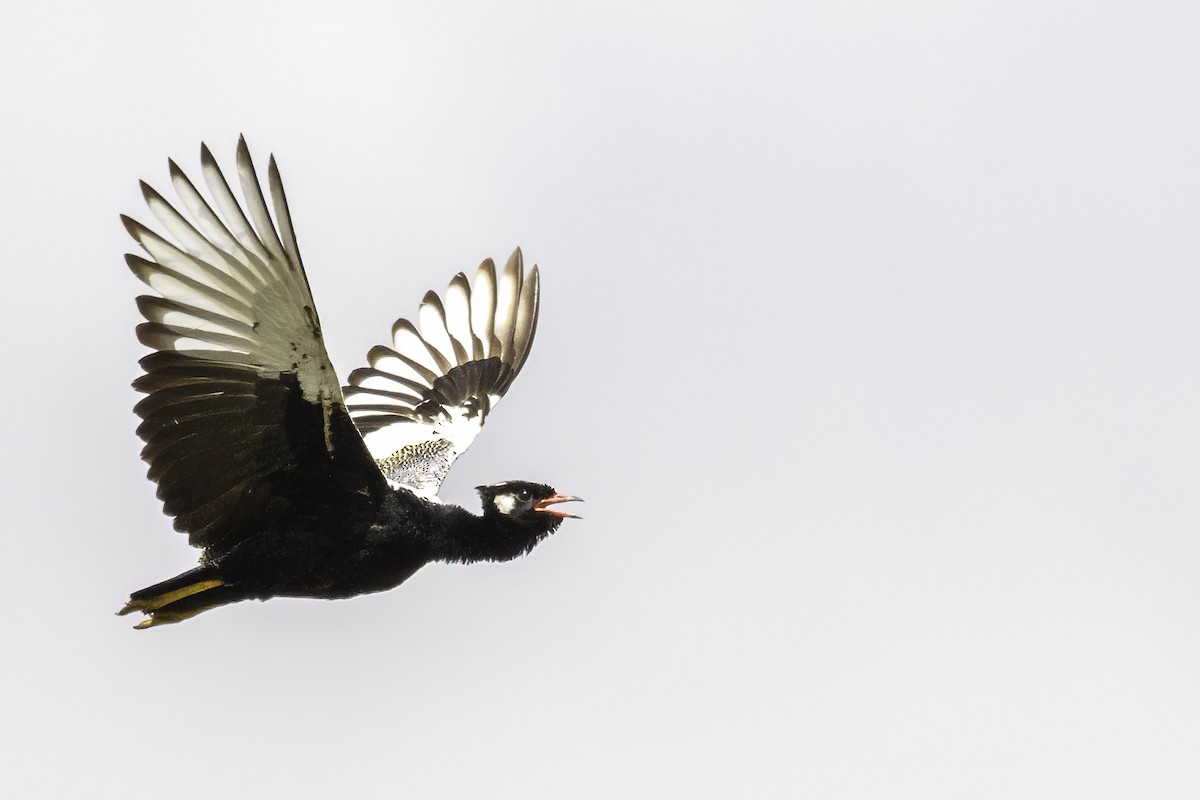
(337, 553)
(291, 485)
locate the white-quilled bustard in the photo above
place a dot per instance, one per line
(290, 484)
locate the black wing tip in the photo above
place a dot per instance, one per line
(516, 262)
(379, 351)
(137, 263)
(243, 151)
(243, 154)
(149, 192)
(146, 332)
(358, 375)
(176, 172)
(133, 227)
(405, 324)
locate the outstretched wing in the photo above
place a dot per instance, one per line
(244, 422)
(422, 401)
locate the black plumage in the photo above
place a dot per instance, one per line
(287, 488)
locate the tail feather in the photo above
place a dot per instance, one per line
(191, 605)
(181, 597)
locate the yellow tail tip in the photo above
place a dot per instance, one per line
(157, 608)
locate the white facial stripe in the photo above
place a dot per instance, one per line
(506, 502)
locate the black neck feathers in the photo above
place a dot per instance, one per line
(452, 534)
(465, 537)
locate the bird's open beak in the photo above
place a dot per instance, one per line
(543, 505)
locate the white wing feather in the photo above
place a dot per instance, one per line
(424, 400)
(231, 291)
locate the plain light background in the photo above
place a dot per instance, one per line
(869, 333)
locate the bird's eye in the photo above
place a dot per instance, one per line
(523, 495)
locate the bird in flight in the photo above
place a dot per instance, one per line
(290, 484)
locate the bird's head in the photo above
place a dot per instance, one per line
(530, 504)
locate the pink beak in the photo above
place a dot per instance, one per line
(542, 505)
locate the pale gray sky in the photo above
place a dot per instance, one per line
(869, 332)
